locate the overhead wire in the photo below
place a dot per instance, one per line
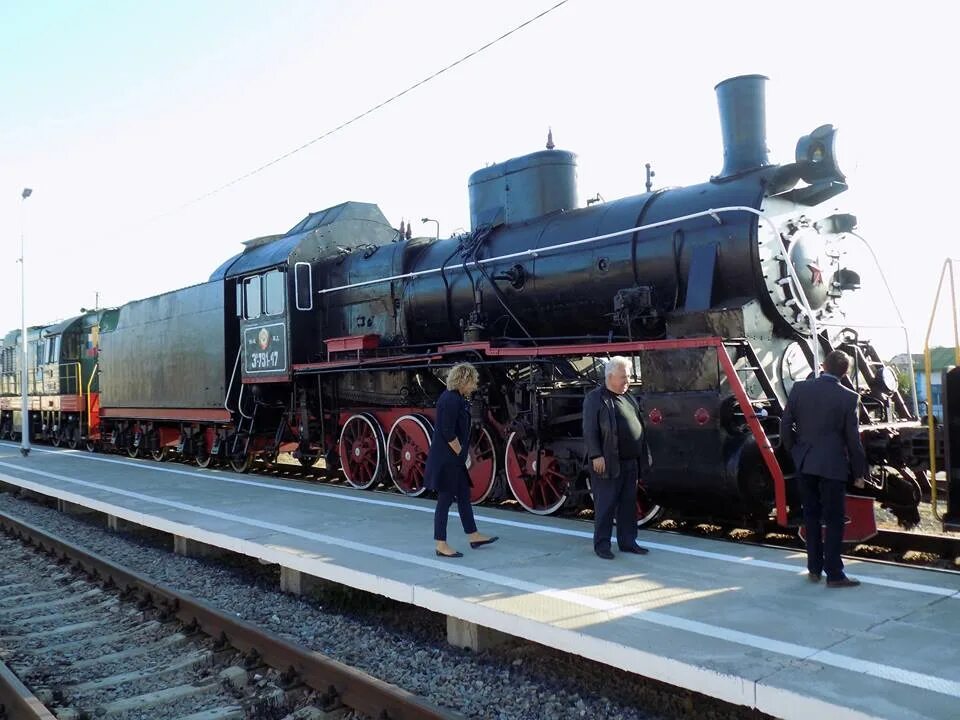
(364, 114)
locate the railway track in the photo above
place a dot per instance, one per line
(83, 638)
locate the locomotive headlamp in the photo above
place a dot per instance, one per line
(816, 155)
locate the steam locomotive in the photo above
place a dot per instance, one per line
(331, 341)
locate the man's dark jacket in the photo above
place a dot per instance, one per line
(821, 429)
(600, 431)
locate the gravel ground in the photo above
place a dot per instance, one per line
(398, 643)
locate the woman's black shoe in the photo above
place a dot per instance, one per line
(455, 554)
(481, 543)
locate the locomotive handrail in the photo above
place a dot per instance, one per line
(233, 376)
(903, 325)
(714, 213)
(928, 371)
(240, 403)
(93, 374)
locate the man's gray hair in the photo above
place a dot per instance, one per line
(617, 361)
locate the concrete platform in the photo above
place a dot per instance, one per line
(740, 624)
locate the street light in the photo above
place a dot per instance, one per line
(426, 220)
(24, 371)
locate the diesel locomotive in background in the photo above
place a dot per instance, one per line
(331, 341)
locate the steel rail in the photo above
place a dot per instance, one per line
(944, 546)
(352, 687)
(17, 702)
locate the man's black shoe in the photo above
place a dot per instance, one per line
(605, 554)
(842, 582)
(636, 550)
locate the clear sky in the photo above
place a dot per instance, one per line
(119, 114)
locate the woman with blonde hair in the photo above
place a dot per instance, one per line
(446, 470)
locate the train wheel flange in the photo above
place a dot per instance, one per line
(407, 446)
(534, 476)
(361, 450)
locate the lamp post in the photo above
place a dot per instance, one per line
(24, 370)
(426, 220)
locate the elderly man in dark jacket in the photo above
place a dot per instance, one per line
(614, 435)
(821, 429)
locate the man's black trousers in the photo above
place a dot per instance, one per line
(615, 498)
(823, 502)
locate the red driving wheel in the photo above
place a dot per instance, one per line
(407, 446)
(361, 450)
(534, 476)
(481, 464)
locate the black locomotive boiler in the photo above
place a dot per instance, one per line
(331, 340)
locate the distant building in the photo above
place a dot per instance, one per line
(941, 358)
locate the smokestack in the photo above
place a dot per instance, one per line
(743, 123)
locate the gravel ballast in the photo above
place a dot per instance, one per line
(397, 643)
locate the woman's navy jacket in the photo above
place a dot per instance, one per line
(445, 470)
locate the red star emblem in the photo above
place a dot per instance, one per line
(816, 274)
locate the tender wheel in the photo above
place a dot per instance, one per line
(161, 454)
(135, 448)
(361, 450)
(203, 456)
(56, 439)
(73, 438)
(242, 463)
(481, 464)
(91, 446)
(407, 446)
(534, 478)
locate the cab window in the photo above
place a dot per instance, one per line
(51, 349)
(71, 346)
(253, 307)
(273, 291)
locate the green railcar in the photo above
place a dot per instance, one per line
(63, 379)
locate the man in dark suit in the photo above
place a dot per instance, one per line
(617, 450)
(821, 429)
